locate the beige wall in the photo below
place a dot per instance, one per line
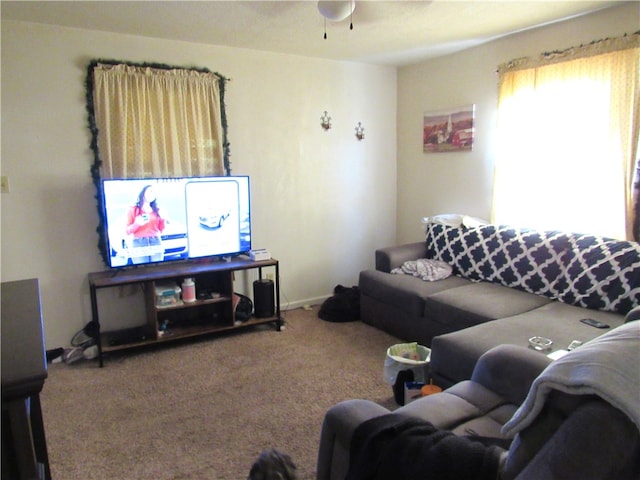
(322, 201)
(429, 184)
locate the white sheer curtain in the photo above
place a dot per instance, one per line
(568, 131)
(157, 122)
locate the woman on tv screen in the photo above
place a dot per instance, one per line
(146, 225)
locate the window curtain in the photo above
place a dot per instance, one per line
(158, 121)
(152, 120)
(568, 136)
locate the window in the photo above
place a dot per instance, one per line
(568, 131)
(156, 121)
(150, 120)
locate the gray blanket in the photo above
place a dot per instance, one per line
(607, 366)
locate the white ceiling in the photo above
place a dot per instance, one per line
(384, 32)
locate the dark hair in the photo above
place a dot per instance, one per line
(154, 204)
(273, 465)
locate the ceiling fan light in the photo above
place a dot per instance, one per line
(336, 10)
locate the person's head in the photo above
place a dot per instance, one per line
(273, 465)
(147, 195)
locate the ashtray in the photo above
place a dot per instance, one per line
(540, 343)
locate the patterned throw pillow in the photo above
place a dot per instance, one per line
(525, 259)
(602, 274)
(581, 270)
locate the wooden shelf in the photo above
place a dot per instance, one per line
(180, 320)
(197, 303)
(125, 276)
(191, 331)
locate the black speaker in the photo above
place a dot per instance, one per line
(263, 298)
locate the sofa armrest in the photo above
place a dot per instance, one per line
(509, 371)
(594, 441)
(391, 257)
(633, 314)
(338, 426)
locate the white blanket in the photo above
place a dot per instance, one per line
(607, 366)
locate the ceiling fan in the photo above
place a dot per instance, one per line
(336, 11)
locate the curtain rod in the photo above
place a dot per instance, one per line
(596, 47)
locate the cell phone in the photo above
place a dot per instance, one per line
(594, 323)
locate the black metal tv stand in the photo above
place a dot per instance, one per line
(207, 314)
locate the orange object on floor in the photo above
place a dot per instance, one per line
(430, 389)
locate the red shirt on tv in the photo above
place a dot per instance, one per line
(152, 228)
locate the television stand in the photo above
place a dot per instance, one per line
(214, 312)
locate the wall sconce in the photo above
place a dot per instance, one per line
(325, 121)
(359, 131)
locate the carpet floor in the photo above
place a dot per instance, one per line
(205, 409)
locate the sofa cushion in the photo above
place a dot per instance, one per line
(454, 355)
(467, 408)
(487, 425)
(476, 303)
(405, 292)
(509, 371)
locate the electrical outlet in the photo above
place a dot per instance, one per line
(4, 184)
(270, 277)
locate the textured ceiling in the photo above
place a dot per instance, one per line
(394, 33)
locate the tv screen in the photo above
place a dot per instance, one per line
(166, 219)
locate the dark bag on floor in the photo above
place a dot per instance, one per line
(244, 308)
(343, 306)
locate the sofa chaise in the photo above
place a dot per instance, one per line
(507, 286)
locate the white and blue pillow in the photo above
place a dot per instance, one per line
(584, 270)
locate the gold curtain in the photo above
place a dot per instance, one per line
(595, 87)
(157, 122)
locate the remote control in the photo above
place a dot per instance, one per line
(594, 323)
(574, 344)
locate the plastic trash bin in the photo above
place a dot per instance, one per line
(406, 362)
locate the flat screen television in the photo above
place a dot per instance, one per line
(156, 220)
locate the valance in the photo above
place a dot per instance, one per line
(597, 47)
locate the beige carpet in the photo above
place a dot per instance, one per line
(205, 409)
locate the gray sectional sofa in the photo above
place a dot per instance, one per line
(508, 285)
(547, 419)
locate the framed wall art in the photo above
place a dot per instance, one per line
(449, 130)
